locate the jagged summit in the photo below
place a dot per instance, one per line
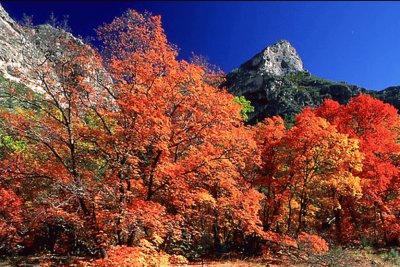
(274, 61)
(278, 59)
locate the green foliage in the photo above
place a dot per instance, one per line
(288, 94)
(8, 142)
(393, 256)
(300, 89)
(246, 106)
(9, 92)
(189, 248)
(289, 119)
(366, 242)
(390, 95)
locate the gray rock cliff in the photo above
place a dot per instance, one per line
(277, 60)
(24, 49)
(17, 53)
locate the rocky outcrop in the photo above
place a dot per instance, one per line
(277, 60)
(24, 49)
(276, 83)
(17, 52)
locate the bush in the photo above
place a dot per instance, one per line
(393, 255)
(312, 244)
(120, 256)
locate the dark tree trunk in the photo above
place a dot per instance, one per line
(217, 240)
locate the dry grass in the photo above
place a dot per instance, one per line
(335, 258)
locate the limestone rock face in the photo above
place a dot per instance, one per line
(22, 49)
(16, 50)
(278, 59)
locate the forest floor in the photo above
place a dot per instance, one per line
(336, 257)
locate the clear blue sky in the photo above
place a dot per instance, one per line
(357, 42)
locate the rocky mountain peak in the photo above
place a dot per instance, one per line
(276, 83)
(274, 61)
(278, 59)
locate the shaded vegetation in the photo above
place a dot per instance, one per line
(289, 94)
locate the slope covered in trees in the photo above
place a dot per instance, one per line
(156, 166)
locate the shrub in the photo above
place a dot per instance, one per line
(312, 243)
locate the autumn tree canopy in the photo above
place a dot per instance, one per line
(152, 157)
(305, 171)
(134, 157)
(376, 125)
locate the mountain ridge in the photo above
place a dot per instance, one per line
(284, 89)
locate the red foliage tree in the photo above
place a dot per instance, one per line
(376, 125)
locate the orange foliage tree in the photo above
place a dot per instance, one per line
(183, 136)
(11, 208)
(152, 157)
(305, 170)
(58, 169)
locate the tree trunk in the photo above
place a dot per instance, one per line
(217, 239)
